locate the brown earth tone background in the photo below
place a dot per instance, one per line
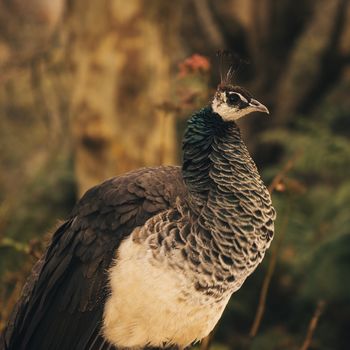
(92, 89)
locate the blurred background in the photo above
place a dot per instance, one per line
(91, 89)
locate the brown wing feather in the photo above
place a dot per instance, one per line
(62, 302)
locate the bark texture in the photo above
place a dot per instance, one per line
(95, 75)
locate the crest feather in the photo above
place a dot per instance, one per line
(229, 64)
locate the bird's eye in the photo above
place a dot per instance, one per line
(233, 99)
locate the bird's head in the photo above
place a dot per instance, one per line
(233, 102)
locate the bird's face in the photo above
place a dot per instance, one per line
(233, 102)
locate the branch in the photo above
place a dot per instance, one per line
(267, 280)
(272, 263)
(283, 172)
(208, 23)
(206, 342)
(306, 61)
(313, 324)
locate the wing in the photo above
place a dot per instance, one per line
(62, 302)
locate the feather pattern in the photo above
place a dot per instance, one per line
(210, 222)
(225, 224)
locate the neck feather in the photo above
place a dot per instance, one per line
(224, 185)
(228, 200)
(204, 129)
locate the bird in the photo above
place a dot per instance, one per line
(149, 259)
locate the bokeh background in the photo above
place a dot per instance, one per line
(91, 89)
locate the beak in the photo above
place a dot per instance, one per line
(258, 107)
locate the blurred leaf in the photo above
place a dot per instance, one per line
(328, 271)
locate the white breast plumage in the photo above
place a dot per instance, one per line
(154, 305)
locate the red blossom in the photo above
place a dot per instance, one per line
(193, 64)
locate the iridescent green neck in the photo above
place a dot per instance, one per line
(201, 131)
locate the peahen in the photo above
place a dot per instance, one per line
(151, 258)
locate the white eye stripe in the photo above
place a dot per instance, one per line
(240, 96)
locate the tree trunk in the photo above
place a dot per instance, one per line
(106, 69)
(122, 72)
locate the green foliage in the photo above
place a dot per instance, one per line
(47, 198)
(315, 256)
(328, 271)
